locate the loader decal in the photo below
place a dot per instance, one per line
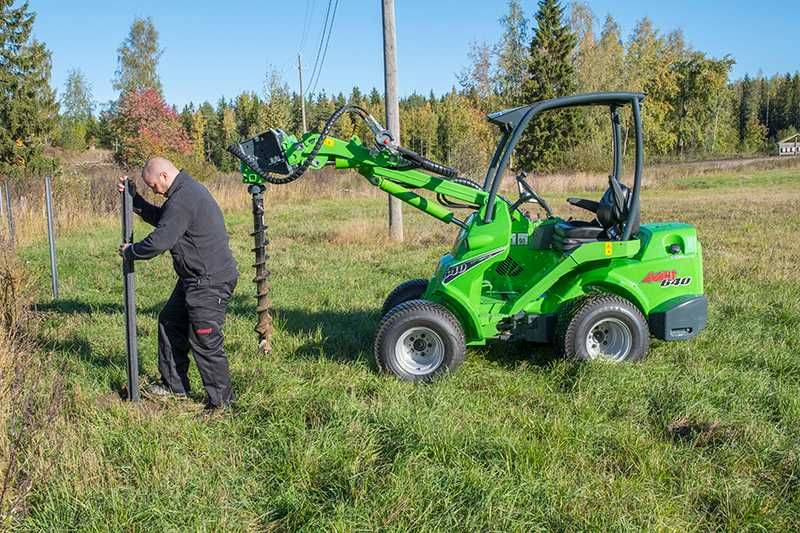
(456, 270)
(658, 277)
(667, 278)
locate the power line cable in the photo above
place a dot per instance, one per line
(310, 6)
(321, 41)
(325, 51)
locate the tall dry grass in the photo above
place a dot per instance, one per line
(31, 394)
(86, 189)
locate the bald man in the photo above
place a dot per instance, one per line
(190, 225)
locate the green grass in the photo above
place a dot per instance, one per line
(702, 435)
(756, 179)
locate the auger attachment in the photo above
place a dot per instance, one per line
(264, 324)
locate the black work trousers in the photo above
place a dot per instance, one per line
(192, 319)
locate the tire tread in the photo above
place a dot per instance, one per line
(416, 284)
(566, 325)
(414, 307)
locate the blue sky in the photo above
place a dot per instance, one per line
(213, 49)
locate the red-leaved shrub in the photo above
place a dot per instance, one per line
(145, 126)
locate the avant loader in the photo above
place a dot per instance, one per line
(597, 288)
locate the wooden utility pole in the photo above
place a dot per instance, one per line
(302, 96)
(392, 105)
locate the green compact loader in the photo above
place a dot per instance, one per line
(596, 288)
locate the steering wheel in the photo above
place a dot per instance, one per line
(526, 193)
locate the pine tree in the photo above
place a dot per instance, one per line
(550, 74)
(794, 102)
(782, 112)
(746, 106)
(322, 110)
(137, 58)
(186, 117)
(224, 134)
(28, 108)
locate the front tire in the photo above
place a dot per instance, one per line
(602, 327)
(419, 340)
(412, 289)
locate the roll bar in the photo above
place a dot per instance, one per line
(513, 123)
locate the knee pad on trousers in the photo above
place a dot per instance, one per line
(207, 335)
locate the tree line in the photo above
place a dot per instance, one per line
(692, 110)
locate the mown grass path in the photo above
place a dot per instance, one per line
(704, 434)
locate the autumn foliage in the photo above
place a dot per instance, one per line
(145, 126)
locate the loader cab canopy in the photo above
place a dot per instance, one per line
(512, 123)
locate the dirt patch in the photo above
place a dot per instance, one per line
(699, 434)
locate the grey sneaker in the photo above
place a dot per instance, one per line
(158, 390)
(210, 407)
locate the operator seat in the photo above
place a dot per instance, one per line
(610, 213)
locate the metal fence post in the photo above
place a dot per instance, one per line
(51, 236)
(130, 295)
(2, 202)
(9, 215)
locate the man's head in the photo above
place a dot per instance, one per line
(158, 174)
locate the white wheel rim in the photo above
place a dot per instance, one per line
(609, 339)
(419, 351)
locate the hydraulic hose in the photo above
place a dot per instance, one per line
(382, 139)
(427, 164)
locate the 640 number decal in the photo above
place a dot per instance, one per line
(667, 278)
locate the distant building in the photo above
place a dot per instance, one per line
(790, 145)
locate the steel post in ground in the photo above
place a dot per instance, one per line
(2, 205)
(9, 214)
(129, 285)
(51, 235)
(260, 241)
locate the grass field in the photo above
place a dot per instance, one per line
(702, 435)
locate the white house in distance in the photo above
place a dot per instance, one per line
(790, 145)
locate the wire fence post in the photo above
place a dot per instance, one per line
(9, 215)
(130, 295)
(2, 205)
(51, 235)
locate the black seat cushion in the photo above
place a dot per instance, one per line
(569, 234)
(578, 229)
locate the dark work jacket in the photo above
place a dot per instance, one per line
(190, 225)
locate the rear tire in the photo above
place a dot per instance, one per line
(419, 340)
(412, 289)
(602, 327)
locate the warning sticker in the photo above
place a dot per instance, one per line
(520, 239)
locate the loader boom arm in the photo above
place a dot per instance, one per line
(382, 167)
